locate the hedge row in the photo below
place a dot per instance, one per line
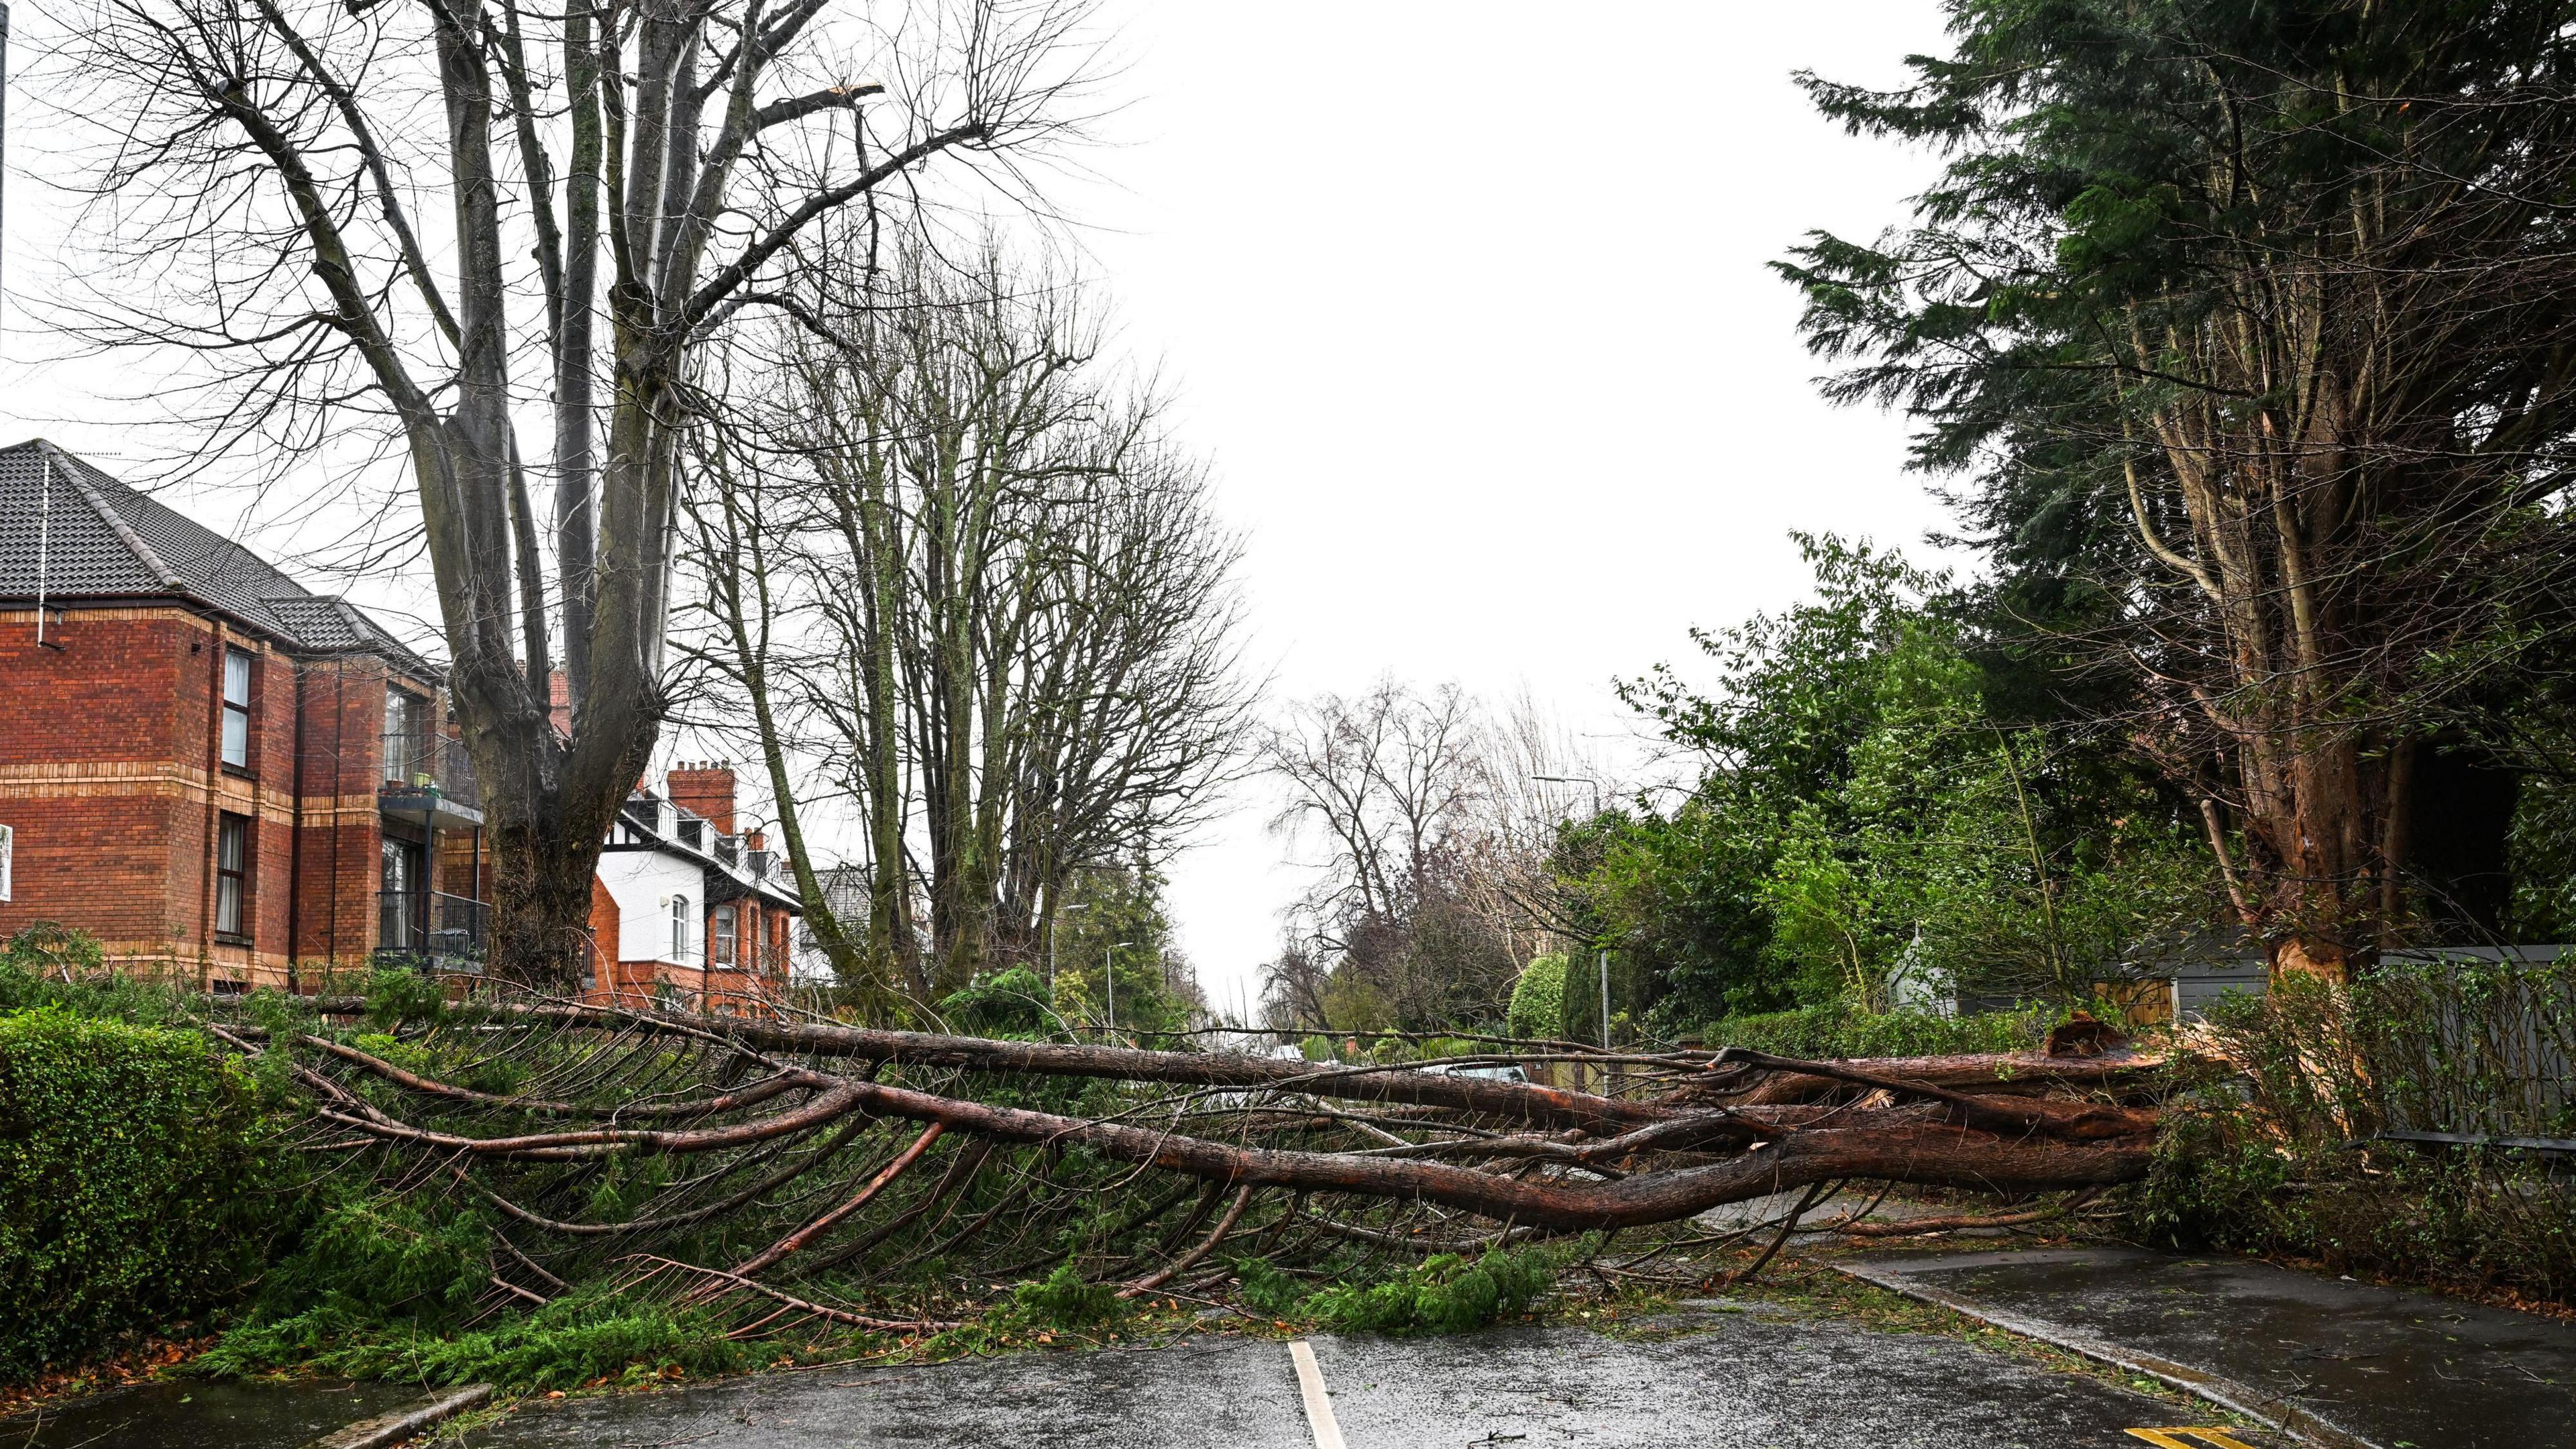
(133, 1169)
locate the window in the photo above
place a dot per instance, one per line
(406, 718)
(399, 903)
(720, 944)
(237, 708)
(232, 876)
(679, 928)
(8, 841)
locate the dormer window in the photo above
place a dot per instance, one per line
(693, 834)
(237, 708)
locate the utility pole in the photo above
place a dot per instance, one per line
(1609, 1073)
(1602, 955)
(1109, 968)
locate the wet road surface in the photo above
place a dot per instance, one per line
(182, 1414)
(2384, 1365)
(1743, 1381)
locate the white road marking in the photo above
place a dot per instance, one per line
(1319, 1404)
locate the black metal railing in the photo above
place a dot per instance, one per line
(416, 765)
(430, 923)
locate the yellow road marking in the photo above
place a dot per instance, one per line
(2215, 1438)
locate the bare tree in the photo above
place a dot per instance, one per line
(1435, 823)
(328, 205)
(1019, 608)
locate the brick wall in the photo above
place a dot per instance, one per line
(111, 775)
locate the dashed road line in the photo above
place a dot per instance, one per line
(1319, 1402)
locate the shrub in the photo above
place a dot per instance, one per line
(134, 1171)
(1538, 998)
(1827, 1032)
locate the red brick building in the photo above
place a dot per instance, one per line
(224, 776)
(214, 770)
(685, 910)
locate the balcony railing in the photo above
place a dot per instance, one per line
(431, 923)
(421, 774)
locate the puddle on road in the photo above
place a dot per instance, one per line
(187, 1415)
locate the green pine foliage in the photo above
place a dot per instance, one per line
(1016, 1003)
(1448, 1293)
(1445, 1294)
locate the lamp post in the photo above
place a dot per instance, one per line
(1109, 968)
(1602, 956)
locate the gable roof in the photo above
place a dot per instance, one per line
(96, 539)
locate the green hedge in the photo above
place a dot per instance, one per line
(132, 1169)
(1538, 999)
(1823, 1033)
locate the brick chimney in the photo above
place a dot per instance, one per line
(706, 789)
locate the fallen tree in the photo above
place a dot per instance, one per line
(787, 1171)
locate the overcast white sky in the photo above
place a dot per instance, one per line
(1467, 304)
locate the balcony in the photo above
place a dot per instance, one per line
(448, 929)
(430, 781)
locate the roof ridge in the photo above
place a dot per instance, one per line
(115, 521)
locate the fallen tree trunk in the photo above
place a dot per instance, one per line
(1404, 1084)
(755, 1169)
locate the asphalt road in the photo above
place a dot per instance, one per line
(1740, 1381)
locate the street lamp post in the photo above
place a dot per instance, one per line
(1109, 968)
(1601, 957)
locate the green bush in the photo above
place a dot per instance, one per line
(1538, 998)
(1822, 1033)
(134, 1183)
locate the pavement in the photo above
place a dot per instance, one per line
(2337, 1362)
(1727, 1378)
(185, 1414)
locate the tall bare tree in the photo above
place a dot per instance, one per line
(329, 205)
(1016, 607)
(1432, 883)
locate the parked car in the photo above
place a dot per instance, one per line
(1489, 1073)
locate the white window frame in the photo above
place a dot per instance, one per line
(237, 710)
(680, 927)
(8, 849)
(725, 941)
